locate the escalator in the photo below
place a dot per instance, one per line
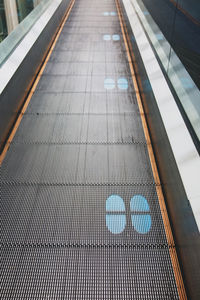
(83, 215)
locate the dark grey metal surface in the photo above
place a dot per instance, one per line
(78, 144)
(73, 214)
(88, 273)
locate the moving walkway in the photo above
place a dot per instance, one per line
(83, 211)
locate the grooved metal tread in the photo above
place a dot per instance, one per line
(79, 160)
(87, 274)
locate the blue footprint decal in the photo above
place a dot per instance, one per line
(122, 83)
(115, 37)
(107, 37)
(115, 221)
(109, 83)
(140, 218)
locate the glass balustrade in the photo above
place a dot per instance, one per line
(30, 17)
(169, 28)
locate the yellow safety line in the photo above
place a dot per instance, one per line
(168, 231)
(15, 127)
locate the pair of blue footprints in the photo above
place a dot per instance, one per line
(116, 217)
(122, 83)
(114, 37)
(112, 13)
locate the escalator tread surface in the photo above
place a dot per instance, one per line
(80, 213)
